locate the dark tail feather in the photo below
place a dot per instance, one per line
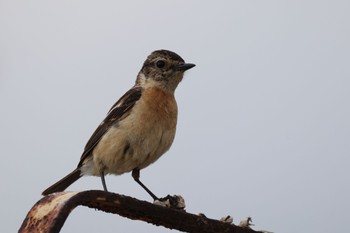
(64, 182)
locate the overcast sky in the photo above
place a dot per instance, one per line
(263, 127)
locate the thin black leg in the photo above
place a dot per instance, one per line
(136, 175)
(103, 181)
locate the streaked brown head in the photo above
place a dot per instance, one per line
(165, 68)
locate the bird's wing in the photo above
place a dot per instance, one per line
(118, 111)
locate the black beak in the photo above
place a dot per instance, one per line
(185, 66)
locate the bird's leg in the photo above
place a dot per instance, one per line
(136, 175)
(103, 181)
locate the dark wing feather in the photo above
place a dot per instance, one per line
(117, 112)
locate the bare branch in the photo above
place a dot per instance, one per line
(49, 214)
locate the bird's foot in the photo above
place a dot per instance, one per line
(175, 202)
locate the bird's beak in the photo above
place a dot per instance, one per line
(185, 66)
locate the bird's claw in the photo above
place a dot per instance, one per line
(175, 202)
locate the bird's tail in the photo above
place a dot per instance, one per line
(64, 182)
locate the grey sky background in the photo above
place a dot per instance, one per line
(263, 127)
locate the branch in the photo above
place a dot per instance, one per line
(49, 214)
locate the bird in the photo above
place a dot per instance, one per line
(138, 129)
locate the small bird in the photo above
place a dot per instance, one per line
(138, 129)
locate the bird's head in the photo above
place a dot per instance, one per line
(164, 69)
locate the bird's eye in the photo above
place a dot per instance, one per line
(160, 64)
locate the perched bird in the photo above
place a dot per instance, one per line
(138, 129)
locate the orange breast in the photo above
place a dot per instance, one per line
(160, 106)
